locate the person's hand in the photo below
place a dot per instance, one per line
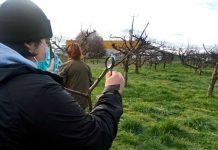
(115, 78)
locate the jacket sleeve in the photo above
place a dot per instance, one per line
(66, 125)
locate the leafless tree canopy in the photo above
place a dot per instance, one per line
(193, 58)
(91, 43)
(131, 49)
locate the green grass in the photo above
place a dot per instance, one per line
(166, 109)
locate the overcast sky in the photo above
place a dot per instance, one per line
(176, 21)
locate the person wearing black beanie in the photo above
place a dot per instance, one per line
(36, 112)
(22, 21)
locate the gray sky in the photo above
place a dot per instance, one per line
(176, 21)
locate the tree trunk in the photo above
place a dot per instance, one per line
(140, 61)
(213, 81)
(126, 69)
(200, 71)
(126, 75)
(137, 63)
(164, 65)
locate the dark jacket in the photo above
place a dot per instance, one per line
(77, 76)
(37, 113)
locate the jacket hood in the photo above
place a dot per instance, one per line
(9, 56)
(13, 64)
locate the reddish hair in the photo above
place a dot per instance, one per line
(74, 51)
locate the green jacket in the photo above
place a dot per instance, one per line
(77, 76)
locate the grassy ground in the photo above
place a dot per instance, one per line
(166, 109)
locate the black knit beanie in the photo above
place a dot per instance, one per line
(23, 21)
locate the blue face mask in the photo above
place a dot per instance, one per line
(44, 65)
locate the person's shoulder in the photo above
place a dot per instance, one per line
(66, 65)
(40, 78)
(84, 63)
(67, 62)
(24, 74)
(31, 83)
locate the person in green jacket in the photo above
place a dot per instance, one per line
(76, 73)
